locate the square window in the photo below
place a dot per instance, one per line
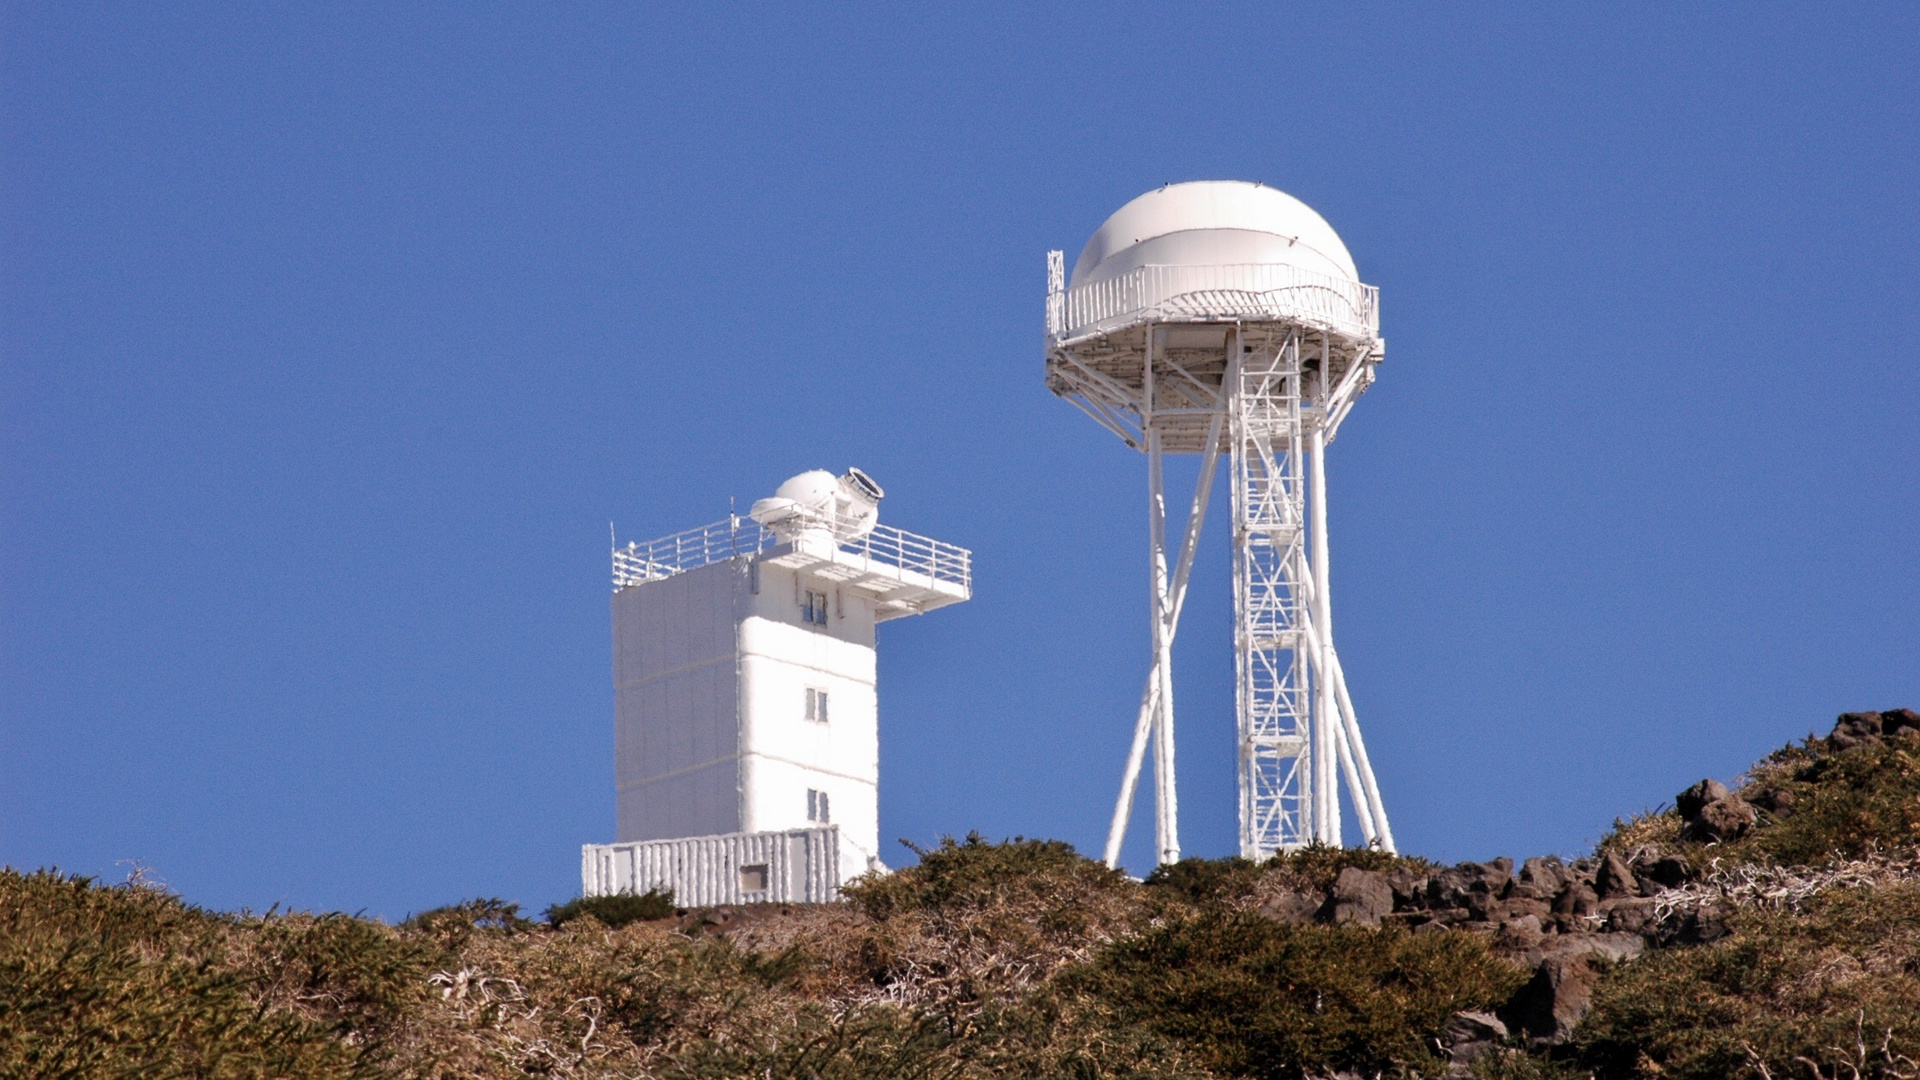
(813, 608)
(817, 807)
(753, 878)
(816, 705)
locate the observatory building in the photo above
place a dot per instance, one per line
(746, 740)
(1227, 319)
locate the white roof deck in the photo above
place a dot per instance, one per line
(904, 573)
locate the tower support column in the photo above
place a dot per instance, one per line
(1146, 723)
(1166, 818)
(1227, 319)
(1326, 732)
(1273, 667)
(1166, 802)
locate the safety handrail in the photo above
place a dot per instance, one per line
(1234, 291)
(638, 563)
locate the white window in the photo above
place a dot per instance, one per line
(817, 807)
(816, 705)
(813, 609)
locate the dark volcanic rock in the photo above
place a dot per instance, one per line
(1854, 729)
(1457, 886)
(1711, 813)
(1615, 878)
(1630, 916)
(1519, 907)
(1554, 1001)
(1695, 799)
(1579, 899)
(1409, 887)
(1542, 879)
(1291, 907)
(1701, 928)
(1859, 728)
(1561, 991)
(1895, 721)
(1729, 819)
(1499, 875)
(1520, 936)
(1441, 918)
(1450, 887)
(1467, 1036)
(1668, 872)
(1609, 946)
(1361, 896)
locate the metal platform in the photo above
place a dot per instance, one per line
(1258, 364)
(905, 573)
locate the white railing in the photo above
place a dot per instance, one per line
(918, 554)
(1240, 291)
(638, 563)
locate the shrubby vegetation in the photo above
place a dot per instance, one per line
(1019, 959)
(616, 911)
(1248, 996)
(1830, 986)
(1819, 974)
(130, 982)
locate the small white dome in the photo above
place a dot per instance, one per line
(845, 506)
(813, 489)
(1214, 223)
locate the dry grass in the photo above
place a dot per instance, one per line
(1018, 959)
(1015, 959)
(1786, 985)
(1645, 830)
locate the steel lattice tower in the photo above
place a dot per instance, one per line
(1261, 358)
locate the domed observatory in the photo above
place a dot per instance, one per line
(746, 746)
(1224, 318)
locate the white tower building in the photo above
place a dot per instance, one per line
(1228, 318)
(746, 716)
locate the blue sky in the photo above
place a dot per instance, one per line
(331, 340)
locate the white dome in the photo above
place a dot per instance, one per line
(813, 489)
(1214, 223)
(845, 506)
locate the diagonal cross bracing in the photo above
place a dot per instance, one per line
(1273, 671)
(1268, 393)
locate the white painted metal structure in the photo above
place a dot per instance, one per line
(800, 866)
(1223, 317)
(744, 680)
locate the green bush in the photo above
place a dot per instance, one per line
(1251, 997)
(1204, 881)
(129, 982)
(616, 910)
(1818, 803)
(487, 913)
(1829, 985)
(977, 873)
(1310, 869)
(1015, 959)
(1845, 803)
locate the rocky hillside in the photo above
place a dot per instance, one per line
(1770, 931)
